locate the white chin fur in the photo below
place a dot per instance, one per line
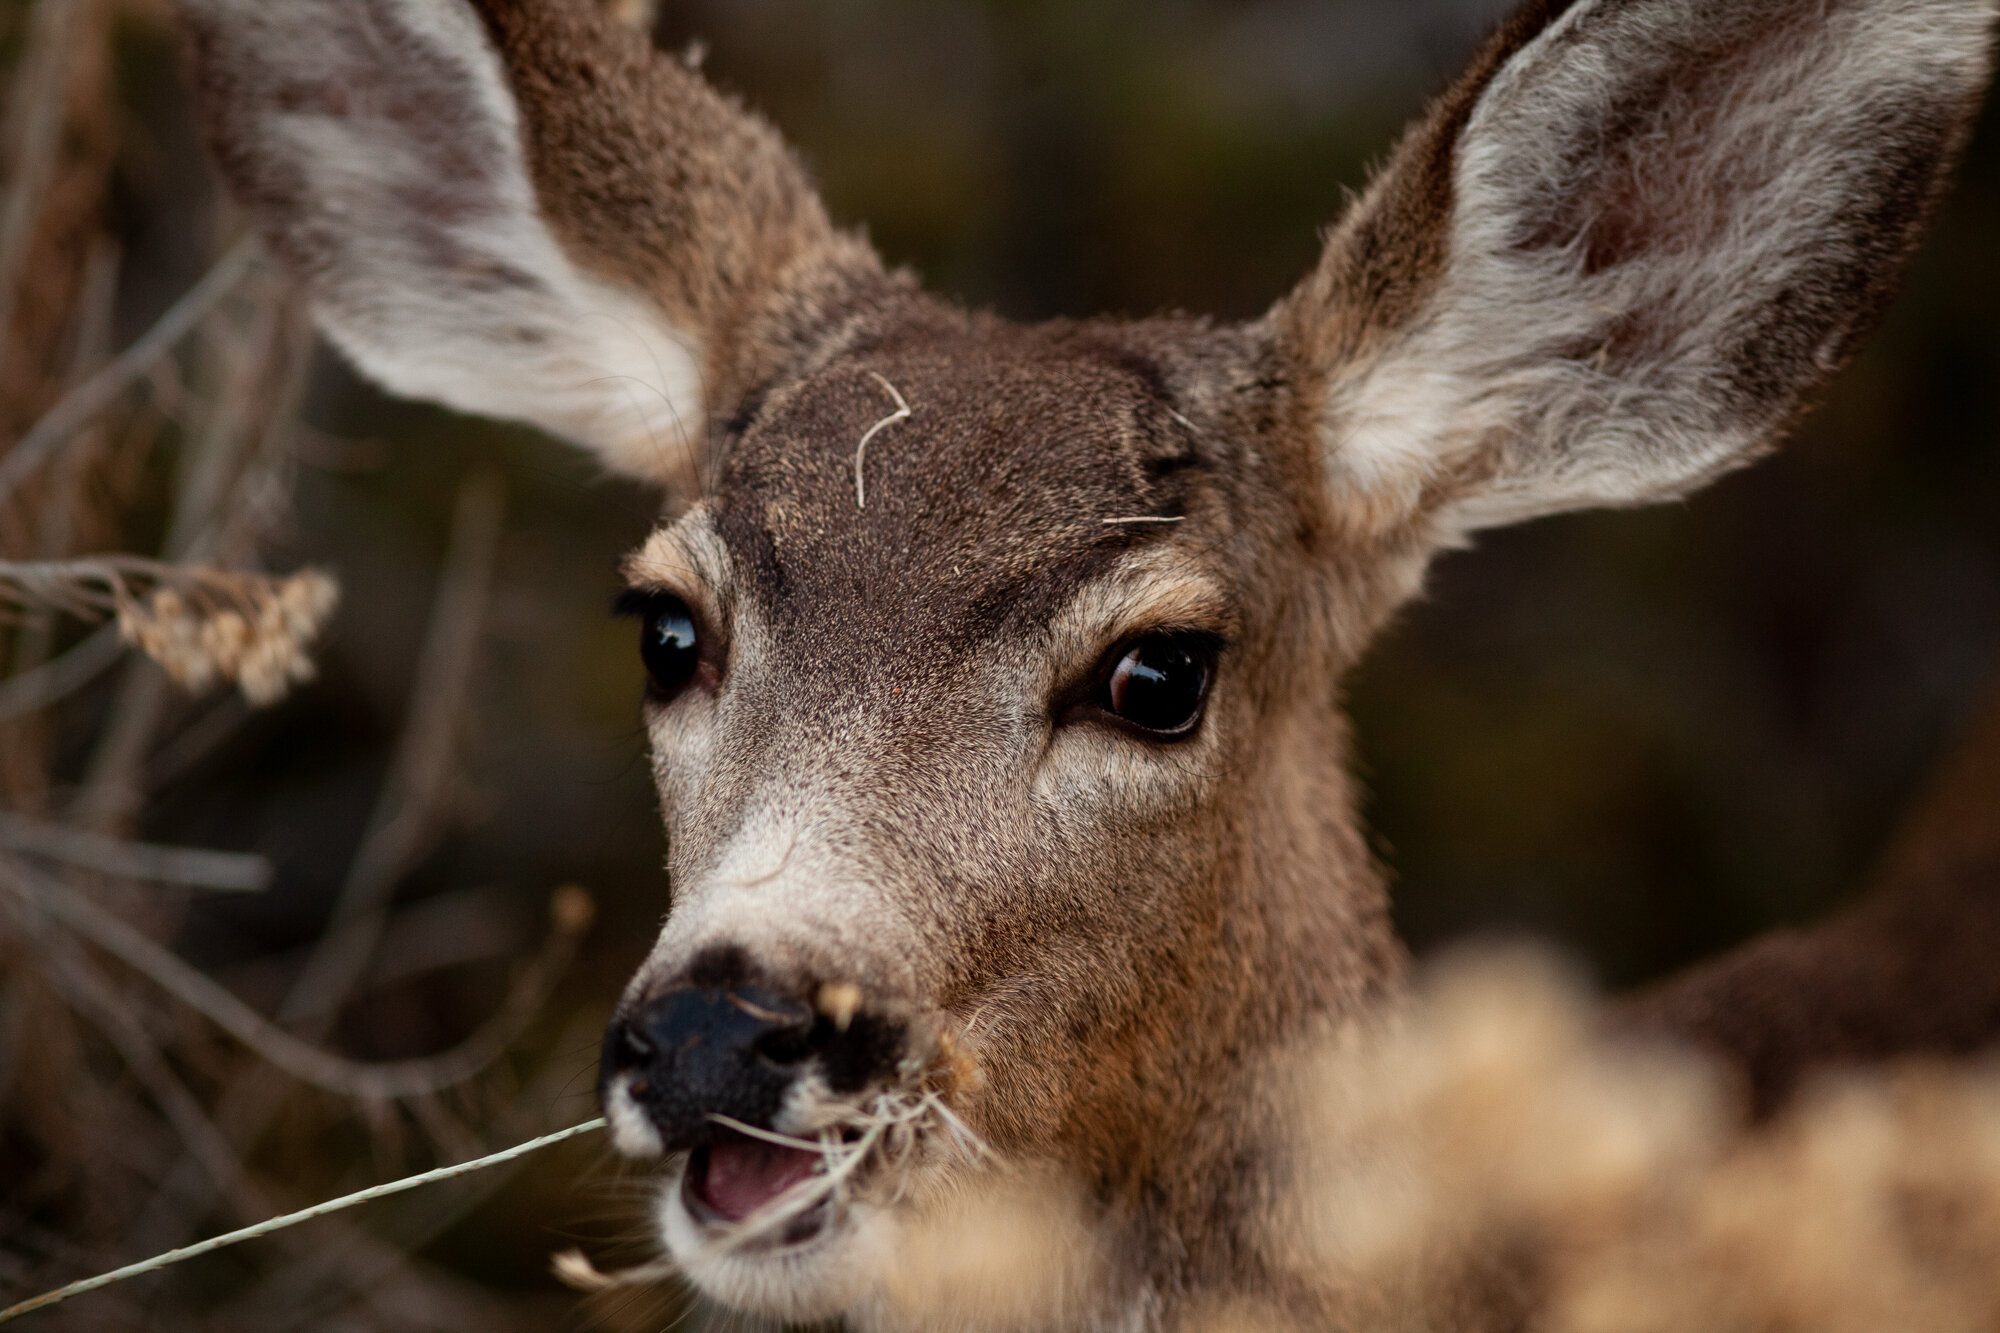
(816, 1279)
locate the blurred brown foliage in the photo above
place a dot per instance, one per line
(1644, 735)
(1489, 1120)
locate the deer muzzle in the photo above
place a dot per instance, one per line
(712, 1071)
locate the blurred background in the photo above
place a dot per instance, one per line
(1644, 735)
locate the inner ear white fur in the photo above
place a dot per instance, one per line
(1536, 377)
(402, 198)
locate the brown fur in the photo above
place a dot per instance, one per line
(1119, 989)
(1104, 942)
(654, 178)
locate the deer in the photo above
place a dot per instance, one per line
(992, 670)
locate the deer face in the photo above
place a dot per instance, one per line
(963, 782)
(993, 669)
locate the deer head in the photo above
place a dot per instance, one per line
(993, 669)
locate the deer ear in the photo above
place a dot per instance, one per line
(521, 210)
(1620, 255)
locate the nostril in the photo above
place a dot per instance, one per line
(690, 1055)
(788, 1045)
(626, 1047)
(633, 1047)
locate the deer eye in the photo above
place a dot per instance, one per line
(1159, 683)
(668, 642)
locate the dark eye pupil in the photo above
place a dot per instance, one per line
(1159, 684)
(668, 646)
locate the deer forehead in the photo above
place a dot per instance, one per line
(905, 505)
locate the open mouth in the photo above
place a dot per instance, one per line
(736, 1177)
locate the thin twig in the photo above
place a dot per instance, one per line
(89, 993)
(102, 389)
(379, 1081)
(233, 872)
(214, 1243)
(892, 1124)
(62, 502)
(98, 584)
(89, 586)
(295, 1297)
(43, 685)
(406, 812)
(195, 741)
(257, 355)
(902, 413)
(37, 111)
(207, 525)
(399, 828)
(445, 1130)
(446, 930)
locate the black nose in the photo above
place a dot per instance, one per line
(695, 1054)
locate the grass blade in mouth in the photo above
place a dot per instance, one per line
(265, 1228)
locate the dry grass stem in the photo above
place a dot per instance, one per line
(236, 1237)
(574, 1270)
(38, 687)
(98, 392)
(234, 872)
(405, 813)
(902, 413)
(885, 1133)
(307, 1291)
(35, 114)
(385, 1081)
(116, 1093)
(93, 995)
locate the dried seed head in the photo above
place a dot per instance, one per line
(307, 599)
(168, 630)
(839, 1001)
(215, 624)
(225, 637)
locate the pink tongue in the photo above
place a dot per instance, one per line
(744, 1174)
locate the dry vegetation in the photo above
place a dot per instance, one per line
(144, 481)
(1490, 1122)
